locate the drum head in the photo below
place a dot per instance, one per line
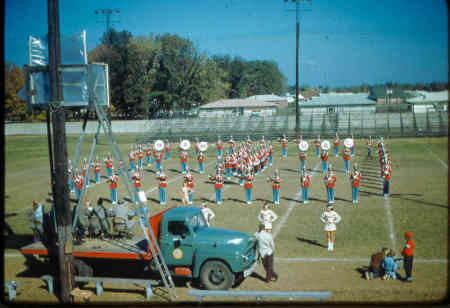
(185, 144)
(303, 145)
(348, 142)
(159, 145)
(203, 146)
(325, 145)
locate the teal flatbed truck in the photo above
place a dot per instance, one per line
(217, 258)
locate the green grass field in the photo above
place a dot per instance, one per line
(418, 203)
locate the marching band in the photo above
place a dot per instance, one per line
(242, 164)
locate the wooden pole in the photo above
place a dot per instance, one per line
(61, 191)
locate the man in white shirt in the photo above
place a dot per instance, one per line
(266, 248)
(207, 214)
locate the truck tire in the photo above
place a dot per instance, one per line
(215, 275)
(82, 269)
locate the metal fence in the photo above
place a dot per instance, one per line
(399, 124)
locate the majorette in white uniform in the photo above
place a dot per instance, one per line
(207, 214)
(330, 219)
(267, 217)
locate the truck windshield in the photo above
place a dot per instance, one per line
(197, 222)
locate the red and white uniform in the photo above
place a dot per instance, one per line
(189, 179)
(330, 181)
(113, 180)
(162, 180)
(248, 181)
(137, 181)
(306, 180)
(355, 178)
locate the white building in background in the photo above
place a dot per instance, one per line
(238, 107)
(338, 103)
(271, 98)
(424, 101)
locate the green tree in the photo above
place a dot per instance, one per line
(15, 107)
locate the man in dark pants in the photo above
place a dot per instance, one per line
(266, 249)
(408, 256)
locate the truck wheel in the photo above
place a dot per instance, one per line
(82, 269)
(215, 275)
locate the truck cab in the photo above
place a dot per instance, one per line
(216, 256)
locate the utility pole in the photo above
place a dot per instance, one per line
(61, 189)
(107, 13)
(297, 38)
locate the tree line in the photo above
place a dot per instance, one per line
(159, 75)
(167, 73)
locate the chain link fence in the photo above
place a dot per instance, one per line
(363, 124)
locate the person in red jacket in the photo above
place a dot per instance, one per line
(201, 160)
(162, 177)
(408, 256)
(113, 180)
(137, 184)
(346, 155)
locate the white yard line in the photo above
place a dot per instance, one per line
(290, 208)
(443, 164)
(387, 205)
(351, 260)
(295, 260)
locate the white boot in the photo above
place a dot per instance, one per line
(332, 246)
(329, 246)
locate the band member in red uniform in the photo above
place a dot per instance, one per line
(355, 178)
(137, 181)
(219, 146)
(275, 186)
(330, 181)
(167, 149)
(97, 171)
(109, 164)
(113, 180)
(346, 155)
(317, 145)
(337, 143)
(305, 180)
(369, 147)
(324, 158)
(302, 156)
(148, 155)
(232, 144)
(131, 157)
(79, 181)
(162, 178)
(284, 146)
(189, 179)
(201, 160)
(183, 160)
(228, 165)
(218, 184)
(248, 186)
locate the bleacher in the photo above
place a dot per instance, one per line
(310, 125)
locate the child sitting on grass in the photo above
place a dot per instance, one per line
(389, 266)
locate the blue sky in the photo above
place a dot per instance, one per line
(341, 42)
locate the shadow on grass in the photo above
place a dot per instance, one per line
(230, 182)
(341, 199)
(317, 199)
(311, 242)
(362, 270)
(175, 170)
(290, 170)
(258, 276)
(289, 199)
(237, 200)
(363, 192)
(399, 196)
(154, 200)
(15, 241)
(150, 171)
